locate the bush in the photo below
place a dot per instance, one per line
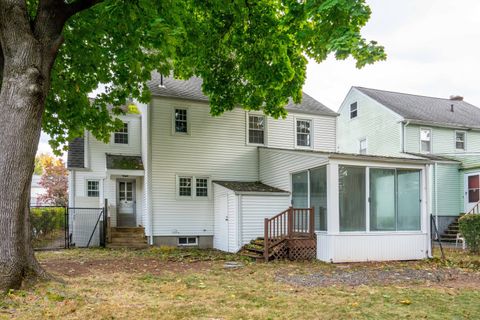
(46, 220)
(469, 225)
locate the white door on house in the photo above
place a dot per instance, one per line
(126, 215)
(221, 223)
(472, 190)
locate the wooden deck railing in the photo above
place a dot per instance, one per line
(291, 223)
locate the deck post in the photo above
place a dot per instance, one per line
(265, 240)
(312, 222)
(290, 222)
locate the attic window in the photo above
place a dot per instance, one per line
(353, 110)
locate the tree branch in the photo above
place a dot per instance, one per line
(80, 5)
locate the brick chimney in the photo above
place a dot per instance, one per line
(456, 98)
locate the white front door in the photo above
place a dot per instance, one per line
(126, 216)
(472, 190)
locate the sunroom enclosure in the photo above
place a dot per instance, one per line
(366, 210)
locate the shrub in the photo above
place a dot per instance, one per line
(46, 220)
(469, 225)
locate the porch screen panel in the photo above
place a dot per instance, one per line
(382, 199)
(473, 189)
(318, 196)
(408, 200)
(352, 198)
(300, 190)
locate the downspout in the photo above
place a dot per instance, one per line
(404, 135)
(149, 170)
(436, 193)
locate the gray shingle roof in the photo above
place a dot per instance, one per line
(124, 162)
(427, 109)
(191, 89)
(75, 156)
(245, 186)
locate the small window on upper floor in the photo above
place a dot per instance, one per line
(256, 129)
(121, 136)
(353, 110)
(304, 132)
(460, 140)
(363, 146)
(181, 120)
(426, 140)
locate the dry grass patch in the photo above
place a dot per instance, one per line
(193, 284)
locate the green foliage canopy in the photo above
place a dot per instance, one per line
(469, 225)
(249, 53)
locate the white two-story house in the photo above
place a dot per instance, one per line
(187, 178)
(446, 131)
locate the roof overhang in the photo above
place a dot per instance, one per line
(124, 173)
(441, 125)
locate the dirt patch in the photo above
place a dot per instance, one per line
(72, 268)
(362, 276)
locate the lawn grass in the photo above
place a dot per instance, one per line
(251, 292)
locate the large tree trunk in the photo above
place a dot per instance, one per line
(28, 48)
(27, 62)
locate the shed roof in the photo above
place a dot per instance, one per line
(124, 162)
(436, 111)
(191, 89)
(249, 186)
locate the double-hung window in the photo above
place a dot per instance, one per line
(353, 110)
(426, 140)
(304, 133)
(93, 188)
(181, 120)
(190, 187)
(460, 140)
(121, 136)
(256, 129)
(363, 146)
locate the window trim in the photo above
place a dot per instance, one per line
(193, 194)
(87, 180)
(187, 244)
(312, 134)
(174, 132)
(356, 110)
(431, 140)
(247, 128)
(464, 140)
(360, 145)
(128, 135)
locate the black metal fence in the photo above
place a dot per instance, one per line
(65, 227)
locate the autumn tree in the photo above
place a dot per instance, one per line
(54, 52)
(55, 182)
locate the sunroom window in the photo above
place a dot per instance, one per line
(352, 198)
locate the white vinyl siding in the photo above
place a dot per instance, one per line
(96, 164)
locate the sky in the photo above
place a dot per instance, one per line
(432, 46)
